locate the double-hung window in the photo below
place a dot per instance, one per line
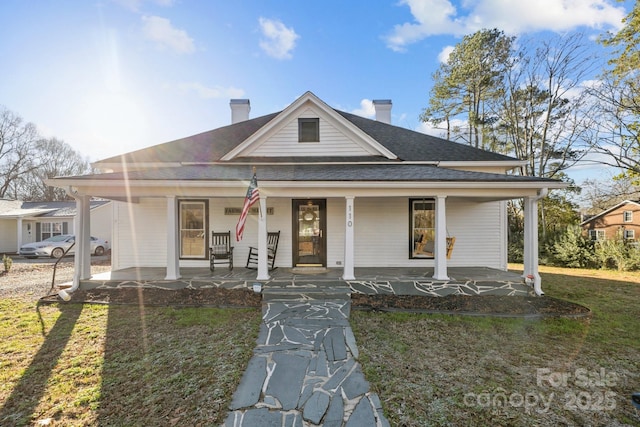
(422, 232)
(627, 216)
(193, 231)
(50, 229)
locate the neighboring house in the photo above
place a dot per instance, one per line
(621, 220)
(28, 222)
(344, 191)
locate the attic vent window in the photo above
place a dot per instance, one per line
(308, 130)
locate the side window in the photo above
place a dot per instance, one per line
(422, 228)
(50, 229)
(308, 130)
(193, 228)
(627, 216)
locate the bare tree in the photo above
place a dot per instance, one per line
(17, 143)
(544, 116)
(618, 135)
(618, 100)
(600, 195)
(55, 158)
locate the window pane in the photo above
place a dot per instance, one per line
(423, 228)
(308, 130)
(50, 229)
(192, 230)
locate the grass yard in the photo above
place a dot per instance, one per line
(72, 365)
(462, 370)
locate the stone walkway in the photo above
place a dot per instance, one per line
(304, 370)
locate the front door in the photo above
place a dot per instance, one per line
(309, 233)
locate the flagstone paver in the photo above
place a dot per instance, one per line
(304, 370)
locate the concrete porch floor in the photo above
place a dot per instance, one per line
(374, 280)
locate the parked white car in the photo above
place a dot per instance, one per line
(55, 247)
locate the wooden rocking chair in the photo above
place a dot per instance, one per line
(272, 248)
(221, 251)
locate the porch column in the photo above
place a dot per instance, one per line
(440, 244)
(349, 246)
(82, 258)
(530, 250)
(19, 240)
(263, 256)
(173, 259)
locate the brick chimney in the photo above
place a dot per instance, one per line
(383, 110)
(239, 110)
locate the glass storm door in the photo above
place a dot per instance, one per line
(309, 232)
(193, 233)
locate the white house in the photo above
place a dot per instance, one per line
(27, 222)
(343, 190)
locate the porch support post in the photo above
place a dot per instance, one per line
(349, 245)
(173, 259)
(19, 239)
(263, 256)
(530, 250)
(440, 244)
(82, 259)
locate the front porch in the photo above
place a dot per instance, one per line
(384, 281)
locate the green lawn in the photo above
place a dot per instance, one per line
(460, 370)
(73, 365)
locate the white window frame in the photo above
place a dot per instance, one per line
(629, 234)
(627, 216)
(50, 229)
(597, 234)
(422, 236)
(304, 125)
(192, 234)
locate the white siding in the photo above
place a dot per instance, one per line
(333, 142)
(140, 234)
(381, 232)
(101, 221)
(480, 237)
(335, 232)
(9, 235)
(279, 221)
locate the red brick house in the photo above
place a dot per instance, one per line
(623, 218)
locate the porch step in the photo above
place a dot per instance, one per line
(287, 291)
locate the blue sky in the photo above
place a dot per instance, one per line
(112, 76)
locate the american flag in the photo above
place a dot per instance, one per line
(252, 196)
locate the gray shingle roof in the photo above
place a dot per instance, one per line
(210, 146)
(204, 147)
(311, 172)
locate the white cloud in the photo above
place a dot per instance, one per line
(366, 109)
(166, 35)
(443, 56)
(216, 92)
(278, 41)
(433, 17)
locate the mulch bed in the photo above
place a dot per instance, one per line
(220, 297)
(462, 304)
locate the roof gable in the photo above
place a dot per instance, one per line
(608, 211)
(337, 136)
(263, 140)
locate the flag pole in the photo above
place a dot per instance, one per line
(259, 202)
